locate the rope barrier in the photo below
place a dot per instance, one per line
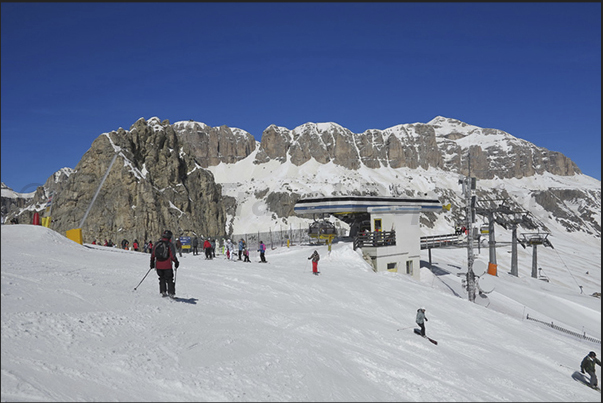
(552, 325)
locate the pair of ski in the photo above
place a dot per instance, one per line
(418, 332)
(179, 299)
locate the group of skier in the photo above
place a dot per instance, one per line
(243, 253)
(162, 262)
(165, 271)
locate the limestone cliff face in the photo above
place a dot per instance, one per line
(159, 179)
(13, 202)
(442, 144)
(212, 145)
(154, 184)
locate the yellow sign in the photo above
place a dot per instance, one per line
(75, 235)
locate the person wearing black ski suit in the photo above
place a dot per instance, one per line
(164, 268)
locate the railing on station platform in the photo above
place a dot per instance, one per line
(374, 239)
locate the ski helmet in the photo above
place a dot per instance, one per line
(167, 234)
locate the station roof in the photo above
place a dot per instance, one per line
(364, 204)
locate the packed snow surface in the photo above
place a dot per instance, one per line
(75, 329)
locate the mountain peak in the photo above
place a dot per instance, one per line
(440, 120)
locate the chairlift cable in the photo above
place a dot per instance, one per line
(568, 270)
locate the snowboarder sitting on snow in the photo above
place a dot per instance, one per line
(588, 365)
(421, 319)
(164, 267)
(315, 258)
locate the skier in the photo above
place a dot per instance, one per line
(167, 287)
(421, 319)
(135, 245)
(213, 247)
(246, 255)
(229, 249)
(207, 248)
(262, 250)
(588, 365)
(241, 247)
(195, 245)
(315, 258)
(233, 252)
(179, 246)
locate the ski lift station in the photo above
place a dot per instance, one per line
(385, 228)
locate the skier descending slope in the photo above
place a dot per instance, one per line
(421, 319)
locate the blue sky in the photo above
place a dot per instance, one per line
(72, 71)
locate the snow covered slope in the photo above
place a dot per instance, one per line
(74, 329)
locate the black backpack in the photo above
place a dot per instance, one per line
(162, 250)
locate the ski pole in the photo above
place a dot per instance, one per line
(145, 276)
(404, 328)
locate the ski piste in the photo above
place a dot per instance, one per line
(418, 332)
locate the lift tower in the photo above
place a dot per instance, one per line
(468, 184)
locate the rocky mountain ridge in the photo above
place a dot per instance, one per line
(210, 181)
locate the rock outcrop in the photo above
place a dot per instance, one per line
(155, 183)
(162, 176)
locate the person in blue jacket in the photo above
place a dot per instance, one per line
(262, 250)
(241, 247)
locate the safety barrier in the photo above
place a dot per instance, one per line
(377, 238)
(582, 336)
(437, 241)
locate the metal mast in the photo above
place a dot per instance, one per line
(468, 186)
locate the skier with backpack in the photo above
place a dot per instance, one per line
(162, 256)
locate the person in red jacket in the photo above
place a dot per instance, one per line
(167, 287)
(207, 249)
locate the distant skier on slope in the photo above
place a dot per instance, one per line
(262, 250)
(315, 258)
(421, 319)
